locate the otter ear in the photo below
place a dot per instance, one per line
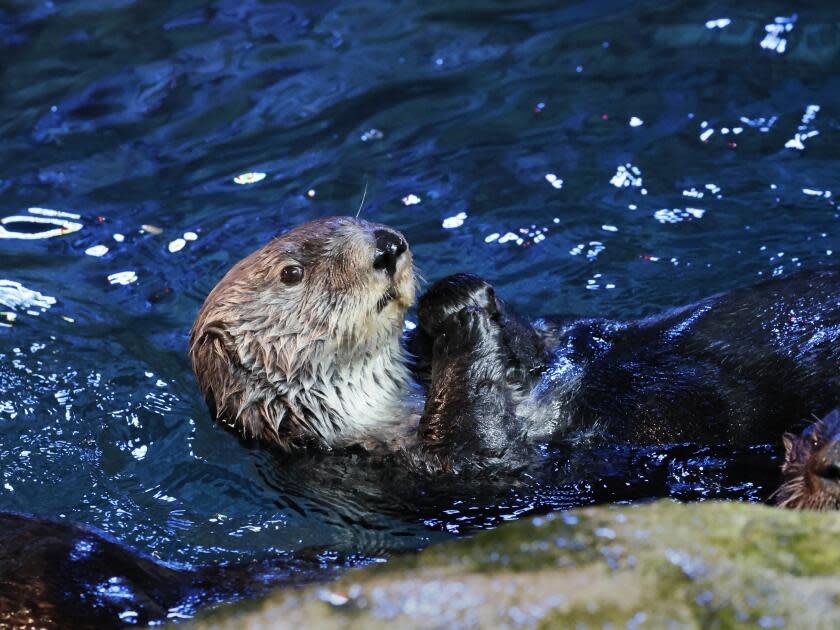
(232, 401)
(215, 372)
(789, 440)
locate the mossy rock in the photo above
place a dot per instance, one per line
(661, 565)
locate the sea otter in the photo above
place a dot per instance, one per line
(300, 345)
(811, 469)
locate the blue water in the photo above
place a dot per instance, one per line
(601, 157)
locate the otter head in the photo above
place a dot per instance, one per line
(299, 342)
(811, 469)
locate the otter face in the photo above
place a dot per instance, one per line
(812, 467)
(299, 342)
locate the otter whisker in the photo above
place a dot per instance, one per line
(364, 194)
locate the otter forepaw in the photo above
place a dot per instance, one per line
(451, 294)
(470, 329)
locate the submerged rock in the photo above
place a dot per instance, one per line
(658, 565)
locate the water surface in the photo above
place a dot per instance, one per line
(600, 158)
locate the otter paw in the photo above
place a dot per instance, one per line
(451, 294)
(470, 329)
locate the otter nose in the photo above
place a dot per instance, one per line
(829, 464)
(389, 247)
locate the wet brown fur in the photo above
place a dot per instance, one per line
(804, 488)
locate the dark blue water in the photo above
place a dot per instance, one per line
(601, 157)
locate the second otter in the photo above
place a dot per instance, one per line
(811, 470)
(299, 345)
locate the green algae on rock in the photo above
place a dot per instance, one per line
(710, 565)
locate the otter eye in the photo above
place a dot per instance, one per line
(291, 274)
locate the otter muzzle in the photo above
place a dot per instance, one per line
(389, 247)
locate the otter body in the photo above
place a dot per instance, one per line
(734, 368)
(299, 345)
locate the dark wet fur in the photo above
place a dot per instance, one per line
(811, 470)
(524, 350)
(736, 368)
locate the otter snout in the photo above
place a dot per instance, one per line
(390, 246)
(827, 462)
(829, 467)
